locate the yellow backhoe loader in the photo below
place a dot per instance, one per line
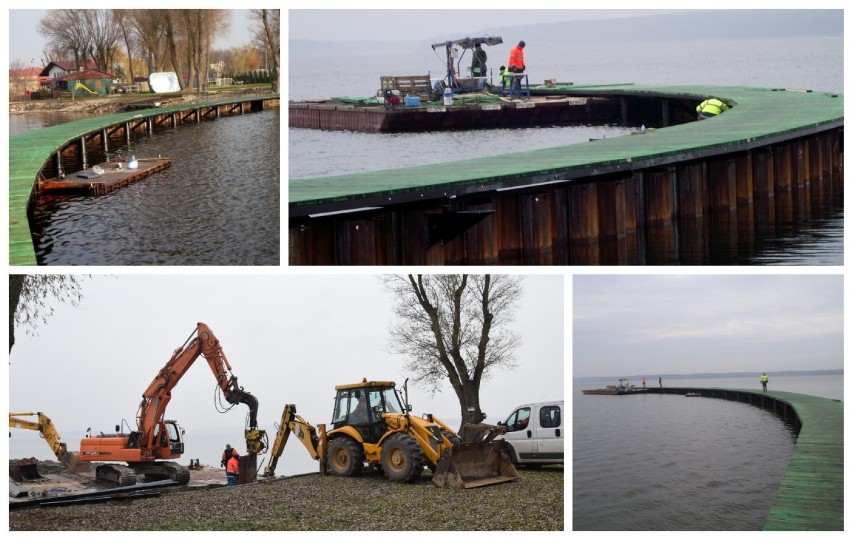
(372, 424)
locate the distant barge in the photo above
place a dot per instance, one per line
(105, 177)
(622, 388)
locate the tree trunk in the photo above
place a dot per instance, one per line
(16, 285)
(471, 413)
(129, 56)
(173, 56)
(270, 41)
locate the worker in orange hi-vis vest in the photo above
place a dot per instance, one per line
(233, 470)
(516, 62)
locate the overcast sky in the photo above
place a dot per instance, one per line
(635, 325)
(27, 44)
(412, 24)
(289, 339)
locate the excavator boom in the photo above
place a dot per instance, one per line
(45, 426)
(314, 439)
(158, 394)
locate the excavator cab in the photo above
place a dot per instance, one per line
(172, 438)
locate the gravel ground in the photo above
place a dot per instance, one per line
(313, 502)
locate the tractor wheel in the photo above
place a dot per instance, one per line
(402, 458)
(345, 457)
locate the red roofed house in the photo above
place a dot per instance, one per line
(60, 68)
(60, 76)
(24, 81)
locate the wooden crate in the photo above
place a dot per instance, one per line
(416, 85)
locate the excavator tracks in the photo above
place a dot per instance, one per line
(177, 472)
(163, 470)
(120, 475)
(116, 475)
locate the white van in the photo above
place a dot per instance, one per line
(536, 433)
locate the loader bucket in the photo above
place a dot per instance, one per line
(470, 465)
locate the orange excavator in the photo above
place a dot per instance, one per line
(148, 449)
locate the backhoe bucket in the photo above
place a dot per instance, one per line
(74, 464)
(470, 465)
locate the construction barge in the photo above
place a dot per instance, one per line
(420, 103)
(105, 177)
(467, 111)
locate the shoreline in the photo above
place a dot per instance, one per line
(119, 103)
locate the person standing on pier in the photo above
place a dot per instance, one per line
(764, 380)
(643, 382)
(661, 382)
(478, 69)
(516, 63)
(505, 80)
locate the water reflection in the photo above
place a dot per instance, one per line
(22, 123)
(796, 227)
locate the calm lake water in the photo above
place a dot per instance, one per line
(662, 462)
(218, 204)
(814, 63)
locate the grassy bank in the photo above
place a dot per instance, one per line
(313, 502)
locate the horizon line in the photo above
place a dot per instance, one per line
(704, 374)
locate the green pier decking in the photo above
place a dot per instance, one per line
(810, 497)
(759, 115)
(623, 200)
(28, 153)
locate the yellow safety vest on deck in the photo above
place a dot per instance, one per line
(711, 107)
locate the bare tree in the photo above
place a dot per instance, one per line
(269, 31)
(191, 29)
(104, 33)
(455, 328)
(200, 26)
(219, 21)
(28, 298)
(122, 20)
(66, 31)
(171, 43)
(149, 35)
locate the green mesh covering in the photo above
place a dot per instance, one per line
(356, 100)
